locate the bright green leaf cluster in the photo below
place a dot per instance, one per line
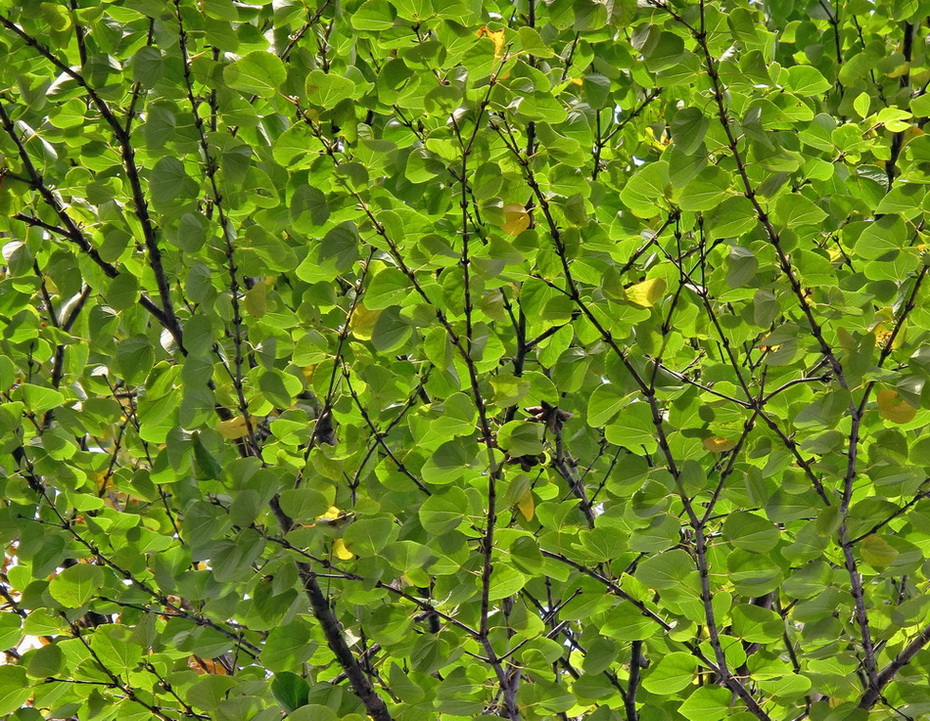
(406, 359)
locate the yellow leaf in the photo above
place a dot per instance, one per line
(233, 428)
(362, 322)
(877, 552)
(307, 372)
(883, 331)
(340, 550)
(527, 504)
(256, 299)
(892, 407)
(496, 36)
(647, 293)
(516, 219)
(719, 445)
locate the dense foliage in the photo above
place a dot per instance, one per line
(445, 359)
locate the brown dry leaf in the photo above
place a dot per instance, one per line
(206, 665)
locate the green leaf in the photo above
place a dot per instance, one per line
(750, 532)
(742, 266)
(287, 647)
(707, 190)
(147, 66)
(290, 690)
(881, 236)
(373, 15)
(114, 647)
(604, 404)
(862, 103)
(520, 438)
(442, 513)
(303, 504)
(756, 624)
(326, 90)
(643, 191)
(391, 331)
(689, 127)
(805, 80)
(673, 673)
(794, 210)
(39, 399)
(667, 570)
(168, 180)
(14, 688)
(369, 536)
(45, 661)
(258, 73)
(707, 703)
(10, 629)
(76, 586)
(123, 292)
(876, 551)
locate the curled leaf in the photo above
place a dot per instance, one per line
(341, 552)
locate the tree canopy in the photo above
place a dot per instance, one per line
(458, 359)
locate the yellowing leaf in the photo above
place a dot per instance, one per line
(340, 550)
(847, 342)
(362, 322)
(527, 504)
(883, 331)
(516, 219)
(910, 133)
(233, 428)
(899, 70)
(496, 36)
(892, 407)
(647, 293)
(719, 445)
(256, 299)
(877, 552)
